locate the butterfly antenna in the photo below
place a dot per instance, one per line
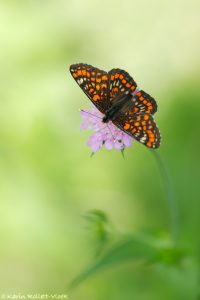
(89, 113)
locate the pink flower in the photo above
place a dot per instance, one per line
(105, 134)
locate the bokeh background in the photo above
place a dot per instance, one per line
(48, 181)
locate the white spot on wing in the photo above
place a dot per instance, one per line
(80, 81)
(143, 139)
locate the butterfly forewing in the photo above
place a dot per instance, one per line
(141, 126)
(94, 82)
(120, 82)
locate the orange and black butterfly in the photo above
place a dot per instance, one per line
(115, 95)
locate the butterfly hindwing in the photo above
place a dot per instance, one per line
(141, 126)
(140, 103)
(94, 82)
(120, 82)
(143, 102)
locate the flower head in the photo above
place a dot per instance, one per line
(105, 134)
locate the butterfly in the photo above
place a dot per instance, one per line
(114, 93)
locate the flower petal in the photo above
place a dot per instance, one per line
(109, 144)
(104, 134)
(127, 140)
(118, 145)
(84, 125)
(95, 143)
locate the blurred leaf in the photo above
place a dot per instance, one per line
(97, 216)
(100, 226)
(142, 247)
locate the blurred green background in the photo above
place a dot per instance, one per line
(48, 180)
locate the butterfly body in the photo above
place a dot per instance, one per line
(116, 107)
(115, 95)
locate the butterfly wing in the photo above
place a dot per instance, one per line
(120, 82)
(140, 126)
(143, 103)
(94, 83)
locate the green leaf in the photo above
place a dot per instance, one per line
(132, 248)
(96, 215)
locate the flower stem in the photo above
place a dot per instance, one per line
(173, 211)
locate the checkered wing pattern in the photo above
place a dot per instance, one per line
(141, 126)
(94, 82)
(143, 102)
(140, 103)
(120, 82)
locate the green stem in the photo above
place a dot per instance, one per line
(174, 222)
